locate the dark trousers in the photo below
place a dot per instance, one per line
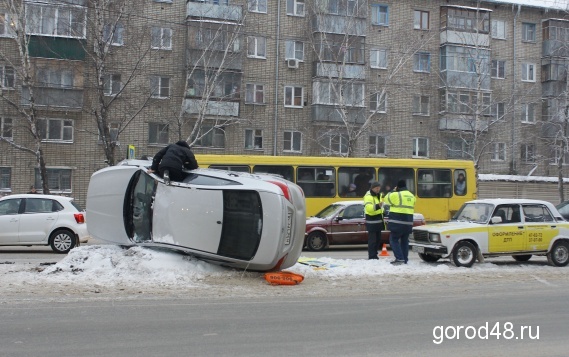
(175, 174)
(373, 240)
(399, 241)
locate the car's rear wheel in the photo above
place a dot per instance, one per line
(316, 241)
(62, 241)
(429, 258)
(464, 254)
(559, 255)
(522, 258)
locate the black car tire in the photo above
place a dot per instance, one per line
(62, 241)
(559, 254)
(464, 254)
(522, 258)
(429, 258)
(316, 241)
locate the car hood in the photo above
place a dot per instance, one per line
(449, 226)
(317, 220)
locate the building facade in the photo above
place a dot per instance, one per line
(483, 81)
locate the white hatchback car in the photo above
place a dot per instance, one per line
(236, 219)
(34, 219)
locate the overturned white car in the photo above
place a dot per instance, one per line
(241, 220)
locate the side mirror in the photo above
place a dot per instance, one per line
(338, 218)
(496, 220)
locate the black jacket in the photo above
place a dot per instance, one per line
(175, 156)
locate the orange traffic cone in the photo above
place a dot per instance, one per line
(384, 252)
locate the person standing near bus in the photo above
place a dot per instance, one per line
(373, 207)
(400, 223)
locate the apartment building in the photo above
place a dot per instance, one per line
(483, 81)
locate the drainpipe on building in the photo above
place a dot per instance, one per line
(514, 169)
(277, 79)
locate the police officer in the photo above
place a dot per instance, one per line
(400, 223)
(373, 207)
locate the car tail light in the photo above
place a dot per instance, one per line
(283, 187)
(79, 217)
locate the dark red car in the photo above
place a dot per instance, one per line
(342, 223)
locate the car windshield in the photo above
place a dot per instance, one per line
(329, 210)
(474, 212)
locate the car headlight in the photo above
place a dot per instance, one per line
(435, 237)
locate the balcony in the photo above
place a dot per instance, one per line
(464, 38)
(212, 11)
(213, 107)
(336, 70)
(339, 24)
(470, 80)
(465, 123)
(332, 114)
(214, 59)
(60, 98)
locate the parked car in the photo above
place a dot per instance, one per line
(235, 219)
(33, 219)
(496, 227)
(563, 208)
(342, 223)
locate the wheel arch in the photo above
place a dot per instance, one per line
(555, 240)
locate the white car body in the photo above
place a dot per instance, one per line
(496, 227)
(229, 218)
(35, 219)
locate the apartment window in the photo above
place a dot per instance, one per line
(421, 105)
(527, 153)
(161, 38)
(378, 102)
(6, 128)
(257, 6)
(458, 148)
(295, 7)
(225, 85)
(422, 62)
(7, 77)
(58, 130)
(292, 141)
(159, 87)
(498, 152)
(378, 58)
(499, 29)
(256, 47)
(420, 147)
(7, 28)
(528, 72)
(211, 137)
(421, 20)
(5, 179)
(54, 78)
(379, 15)
(255, 93)
(376, 145)
(253, 139)
(294, 50)
(58, 180)
(528, 32)
(113, 133)
(465, 59)
(334, 144)
(214, 2)
(59, 21)
(112, 84)
(114, 35)
(498, 69)
(157, 134)
(334, 93)
(294, 97)
(499, 111)
(528, 113)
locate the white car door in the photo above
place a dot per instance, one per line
(38, 220)
(9, 220)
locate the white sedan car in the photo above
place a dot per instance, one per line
(33, 219)
(235, 219)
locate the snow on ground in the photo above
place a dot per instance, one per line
(108, 271)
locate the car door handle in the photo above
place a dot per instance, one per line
(50, 219)
(14, 220)
(520, 227)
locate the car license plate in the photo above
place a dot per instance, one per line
(418, 249)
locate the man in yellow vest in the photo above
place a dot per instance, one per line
(373, 208)
(401, 207)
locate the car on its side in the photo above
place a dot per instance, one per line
(236, 219)
(343, 222)
(496, 227)
(35, 219)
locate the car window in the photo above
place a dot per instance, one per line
(353, 211)
(204, 180)
(76, 205)
(11, 206)
(537, 213)
(39, 205)
(327, 211)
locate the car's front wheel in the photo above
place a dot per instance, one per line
(62, 241)
(559, 255)
(429, 258)
(316, 241)
(464, 254)
(522, 258)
